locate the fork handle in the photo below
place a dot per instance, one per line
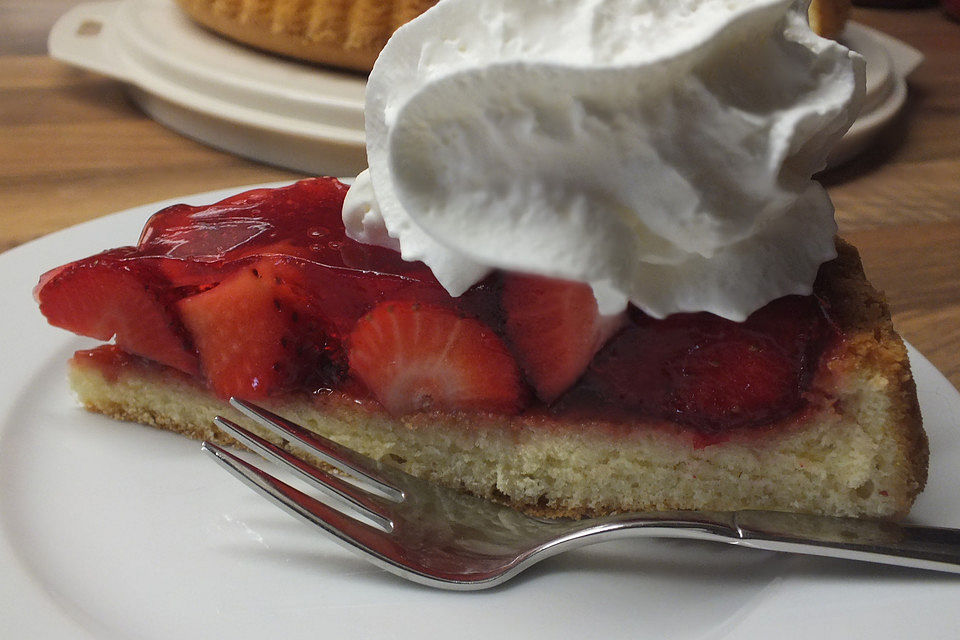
(874, 541)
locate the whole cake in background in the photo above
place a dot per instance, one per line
(349, 34)
(828, 17)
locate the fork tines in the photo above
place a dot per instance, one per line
(368, 495)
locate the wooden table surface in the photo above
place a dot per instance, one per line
(72, 148)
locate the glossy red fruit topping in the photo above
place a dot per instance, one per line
(185, 251)
(256, 333)
(195, 247)
(264, 293)
(106, 296)
(416, 357)
(706, 372)
(554, 328)
(302, 220)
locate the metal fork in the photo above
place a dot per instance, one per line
(443, 538)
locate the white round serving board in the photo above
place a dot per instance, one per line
(308, 118)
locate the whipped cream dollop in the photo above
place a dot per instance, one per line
(659, 150)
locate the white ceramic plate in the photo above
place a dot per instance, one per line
(110, 530)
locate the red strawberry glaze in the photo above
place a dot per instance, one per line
(301, 288)
(112, 361)
(705, 372)
(191, 262)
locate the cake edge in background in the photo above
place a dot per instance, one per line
(350, 35)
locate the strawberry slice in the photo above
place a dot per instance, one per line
(554, 328)
(416, 357)
(744, 379)
(706, 372)
(107, 296)
(254, 333)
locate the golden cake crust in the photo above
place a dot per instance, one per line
(858, 449)
(350, 33)
(829, 17)
(341, 33)
(871, 342)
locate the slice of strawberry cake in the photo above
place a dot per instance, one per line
(519, 390)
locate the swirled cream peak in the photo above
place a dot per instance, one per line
(660, 150)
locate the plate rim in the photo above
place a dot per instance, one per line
(25, 602)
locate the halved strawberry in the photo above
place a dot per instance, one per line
(250, 331)
(707, 372)
(555, 329)
(744, 379)
(106, 296)
(416, 357)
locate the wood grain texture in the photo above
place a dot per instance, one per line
(918, 268)
(72, 148)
